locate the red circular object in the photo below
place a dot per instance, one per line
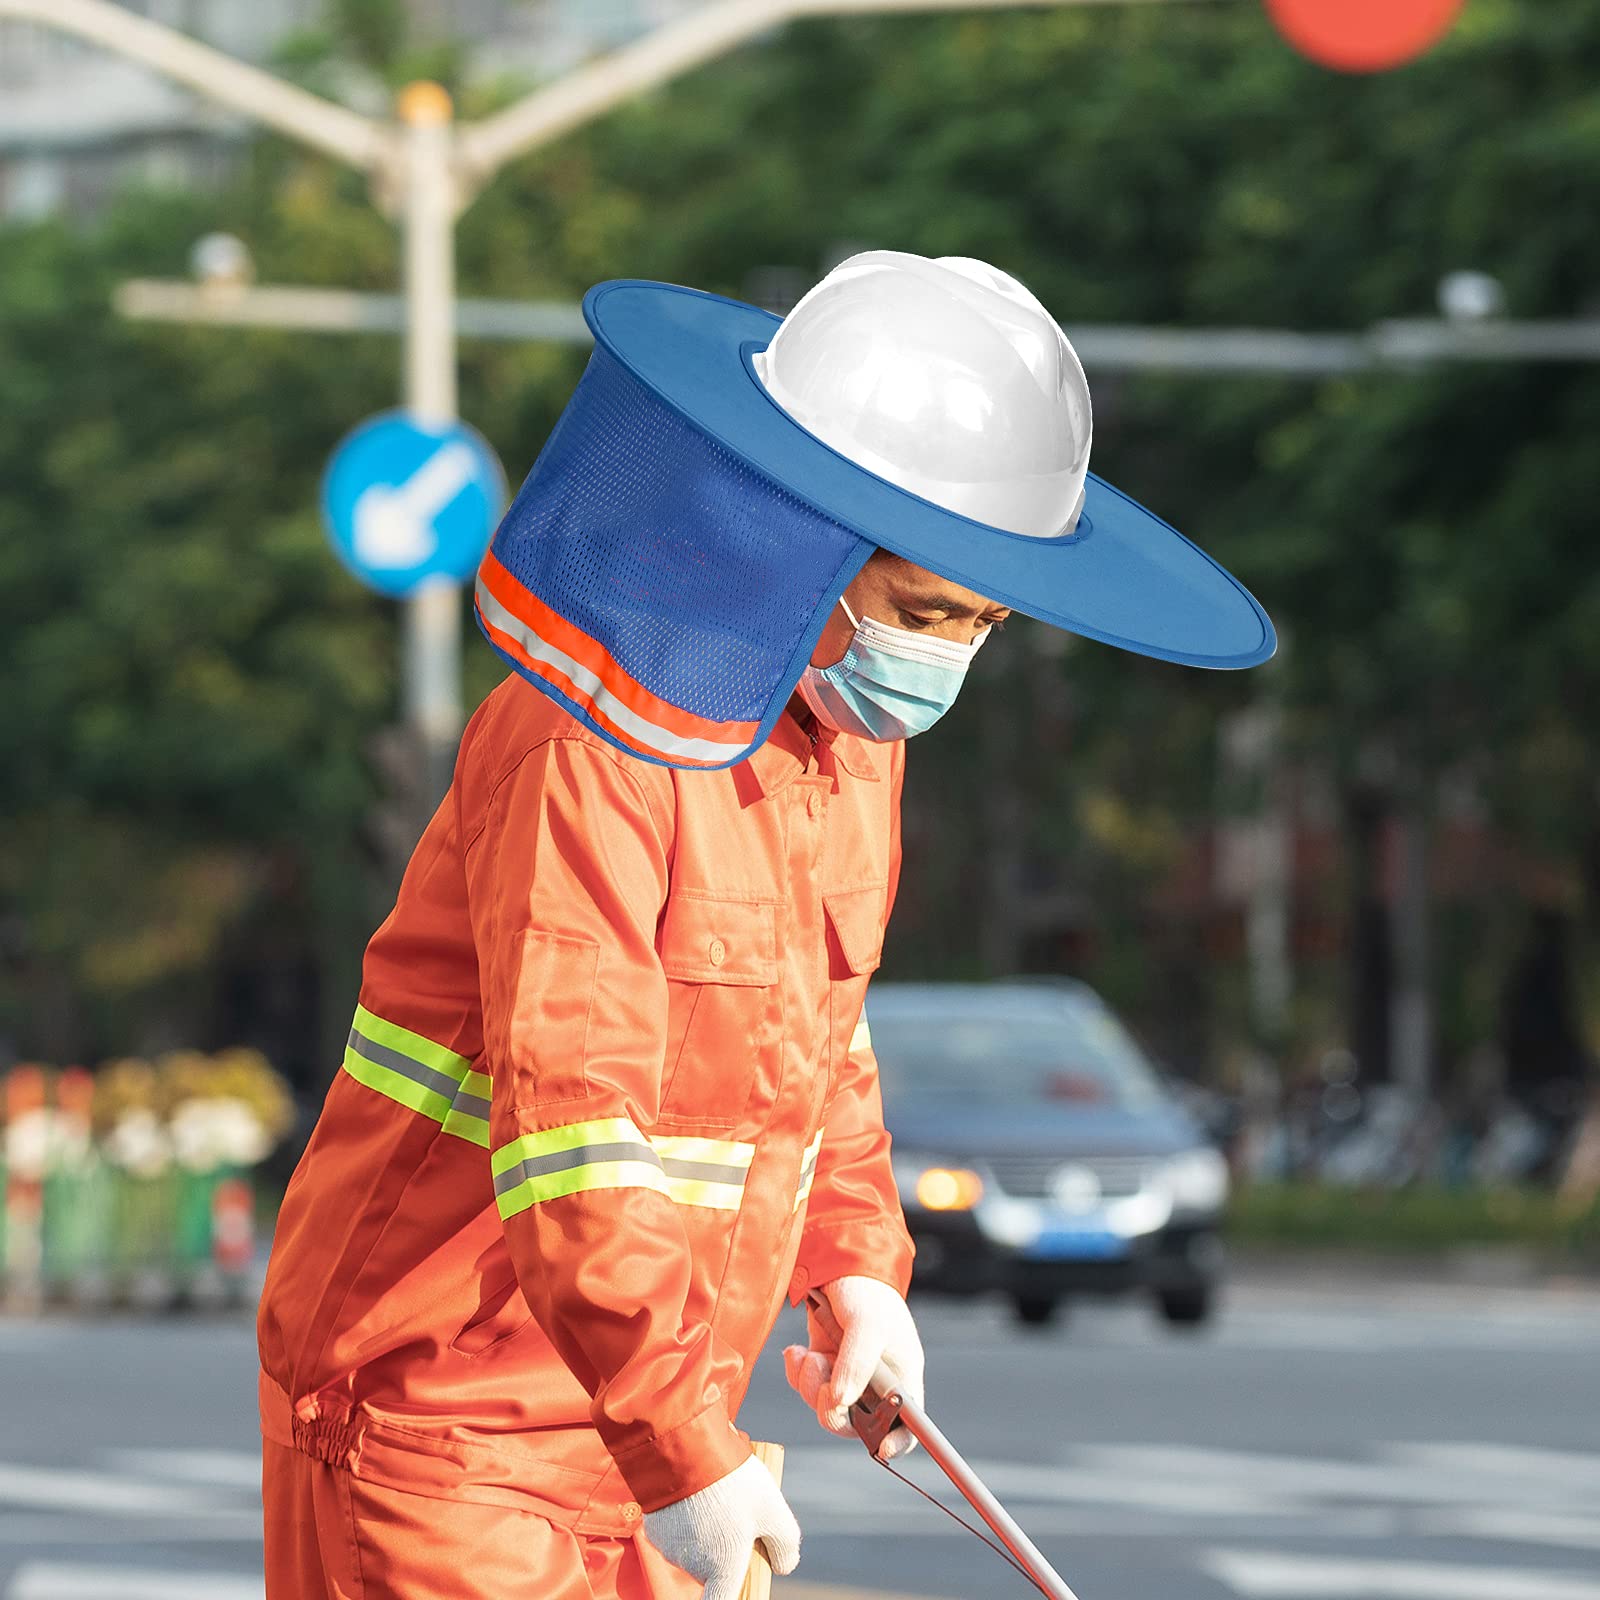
(1363, 35)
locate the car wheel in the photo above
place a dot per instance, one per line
(1037, 1310)
(1188, 1307)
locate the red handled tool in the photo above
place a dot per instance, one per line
(883, 1408)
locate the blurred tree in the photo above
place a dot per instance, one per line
(203, 686)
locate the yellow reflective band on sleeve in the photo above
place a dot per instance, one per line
(711, 1152)
(414, 1072)
(808, 1170)
(539, 1187)
(422, 1051)
(611, 1153)
(468, 1116)
(555, 1141)
(861, 1039)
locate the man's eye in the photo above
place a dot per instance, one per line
(912, 621)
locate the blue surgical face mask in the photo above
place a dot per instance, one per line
(891, 683)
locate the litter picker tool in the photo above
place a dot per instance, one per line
(882, 1408)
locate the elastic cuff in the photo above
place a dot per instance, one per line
(670, 1466)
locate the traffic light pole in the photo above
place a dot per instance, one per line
(432, 619)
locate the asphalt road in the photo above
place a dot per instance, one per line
(1354, 1442)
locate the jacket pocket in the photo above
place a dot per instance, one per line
(721, 960)
(855, 926)
(502, 1314)
(709, 940)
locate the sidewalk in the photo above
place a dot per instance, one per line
(1489, 1268)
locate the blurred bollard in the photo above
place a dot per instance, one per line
(76, 1223)
(79, 1213)
(193, 1196)
(144, 1232)
(132, 1183)
(233, 1235)
(27, 1142)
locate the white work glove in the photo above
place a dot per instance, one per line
(712, 1534)
(869, 1323)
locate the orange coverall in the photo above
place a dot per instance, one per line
(608, 1096)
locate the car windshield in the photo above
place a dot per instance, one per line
(1074, 1053)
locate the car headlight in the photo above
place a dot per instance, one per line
(1197, 1180)
(934, 1186)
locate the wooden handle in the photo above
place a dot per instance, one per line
(758, 1580)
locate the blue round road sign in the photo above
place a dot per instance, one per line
(404, 501)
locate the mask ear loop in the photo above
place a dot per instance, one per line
(971, 648)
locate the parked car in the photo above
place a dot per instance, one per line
(1039, 1154)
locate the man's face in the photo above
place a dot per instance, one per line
(896, 593)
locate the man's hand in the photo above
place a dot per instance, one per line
(712, 1534)
(865, 1322)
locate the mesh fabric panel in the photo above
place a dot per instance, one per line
(698, 573)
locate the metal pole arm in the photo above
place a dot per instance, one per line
(333, 129)
(702, 34)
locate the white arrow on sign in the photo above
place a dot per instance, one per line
(394, 522)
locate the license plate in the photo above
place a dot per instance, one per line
(1086, 1243)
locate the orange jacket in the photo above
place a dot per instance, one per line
(608, 1096)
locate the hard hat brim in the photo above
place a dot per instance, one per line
(1123, 576)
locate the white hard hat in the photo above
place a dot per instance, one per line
(948, 378)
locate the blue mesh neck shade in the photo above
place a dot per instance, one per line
(664, 591)
(670, 562)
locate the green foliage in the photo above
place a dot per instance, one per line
(1415, 1221)
(189, 682)
(190, 679)
(372, 46)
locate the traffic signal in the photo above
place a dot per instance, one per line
(1363, 35)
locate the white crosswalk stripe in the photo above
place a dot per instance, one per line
(231, 1469)
(1267, 1575)
(102, 1494)
(1430, 1319)
(53, 1580)
(1404, 1489)
(1517, 1527)
(1263, 1525)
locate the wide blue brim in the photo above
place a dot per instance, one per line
(1123, 576)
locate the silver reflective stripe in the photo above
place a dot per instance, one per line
(381, 1055)
(580, 1156)
(583, 1154)
(471, 1105)
(649, 734)
(612, 1153)
(808, 1171)
(704, 1171)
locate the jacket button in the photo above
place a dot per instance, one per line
(632, 1512)
(718, 952)
(813, 804)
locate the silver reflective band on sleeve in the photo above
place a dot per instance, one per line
(611, 1153)
(808, 1170)
(415, 1072)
